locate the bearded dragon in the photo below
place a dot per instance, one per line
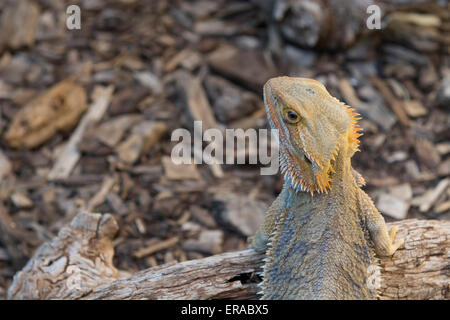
(322, 232)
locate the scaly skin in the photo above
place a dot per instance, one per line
(321, 233)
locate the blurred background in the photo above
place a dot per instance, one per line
(86, 114)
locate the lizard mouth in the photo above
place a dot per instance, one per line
(308, 159)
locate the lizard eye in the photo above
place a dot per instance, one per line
(291, 117)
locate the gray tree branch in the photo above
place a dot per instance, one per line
(77, 264)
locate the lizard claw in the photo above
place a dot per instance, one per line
(395, 244)
(393, 232)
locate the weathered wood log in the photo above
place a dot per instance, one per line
(77, 264)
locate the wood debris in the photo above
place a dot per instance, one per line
(427, 200)
(392, 206)
(239, 212)
(395, 104)
(112, 131)
(21, 201)
(427, 153)
(209, 242)
(18, 24)
(143, 137)
(180, 171)
(414, 108)
(249, 68)
(5, 165)
(100, 196)
(197, 102)
(57, 109)
(70, 154)
(156, 247)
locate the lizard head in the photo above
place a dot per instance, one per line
(313, 128)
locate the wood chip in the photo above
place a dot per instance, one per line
(127, 100)
(4, 256)
(19, 24)
(257, 119)
(208, 242)
(382, 181)
(415, 109)
(427, 153)
(444, 168)
(179, 171)
(21, 201)
(203, 216)
(112, 131)
(395, 104)
(5, 165)
(249, 67)
(427, 200)
(188, 58)
(396, 156)
(130, 150)
(156, 247)
(443, 207)
(375, 112)
(443, 148)
(70, 154)
(423, 20)
(116, 203)
(392, 206)
(57, 109)
(190, 226)
(196, 100)
(148, 79)
(140, 225)
(199, 109)
(412, 169)
(230, 102)
(443, 94)
(143, 137)
(100, 196)
(216, 28)
(239, 212)
(402, 191)
(349, 93)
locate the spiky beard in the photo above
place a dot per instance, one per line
(292, 172)
(290, 176)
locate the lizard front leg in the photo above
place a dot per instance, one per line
(384, 242)
(260, 239)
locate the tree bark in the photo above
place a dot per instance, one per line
(77, 264)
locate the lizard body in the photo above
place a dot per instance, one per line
(322, 231)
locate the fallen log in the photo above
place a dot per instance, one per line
(77, 264)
